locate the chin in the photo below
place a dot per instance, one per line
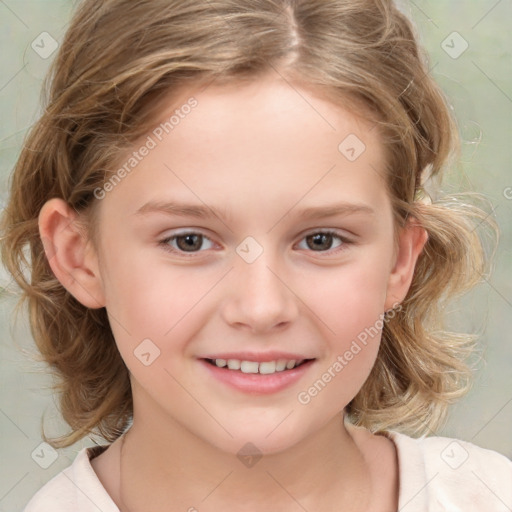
(266, 438)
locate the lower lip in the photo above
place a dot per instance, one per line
(257, 383)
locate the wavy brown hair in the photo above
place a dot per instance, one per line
(119, 58)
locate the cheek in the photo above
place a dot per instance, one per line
(350, 305)
(350, 298)
(142, 293)
(159, 302)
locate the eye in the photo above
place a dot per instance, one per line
(322, 241)
(188, 242)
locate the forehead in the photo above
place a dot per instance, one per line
(271, 114)
(268, 138)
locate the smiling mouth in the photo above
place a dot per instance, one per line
(264, 368)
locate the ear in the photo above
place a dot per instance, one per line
(70, 254)
(412, 239)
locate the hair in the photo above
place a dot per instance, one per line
(119, 58)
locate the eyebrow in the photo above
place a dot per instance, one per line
(205, 212)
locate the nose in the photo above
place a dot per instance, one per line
(260, 295)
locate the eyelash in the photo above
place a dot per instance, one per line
(165, 242)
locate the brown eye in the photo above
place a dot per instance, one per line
(186, 243)
(325, 241)
(189, 242)
(320, 241)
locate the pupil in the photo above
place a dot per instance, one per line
(191, 242)
(319, 240)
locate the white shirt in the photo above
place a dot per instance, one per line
(436, 474)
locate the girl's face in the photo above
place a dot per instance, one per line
(211, 247)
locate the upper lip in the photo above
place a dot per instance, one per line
(260, 357)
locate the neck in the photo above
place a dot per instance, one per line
(162, 466)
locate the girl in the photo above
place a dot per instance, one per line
(236, 272)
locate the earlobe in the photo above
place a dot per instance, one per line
(412, 240)
(70, 254)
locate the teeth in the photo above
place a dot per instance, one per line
(265, 368)
(280, 365)
(269, 367)
(233, 364)
(249, 367)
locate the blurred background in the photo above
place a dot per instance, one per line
(470, 50)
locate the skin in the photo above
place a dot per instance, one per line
(262, 151)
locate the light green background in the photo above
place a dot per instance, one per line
(479, 85)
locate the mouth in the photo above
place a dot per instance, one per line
(257, 374)
(263, 368)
